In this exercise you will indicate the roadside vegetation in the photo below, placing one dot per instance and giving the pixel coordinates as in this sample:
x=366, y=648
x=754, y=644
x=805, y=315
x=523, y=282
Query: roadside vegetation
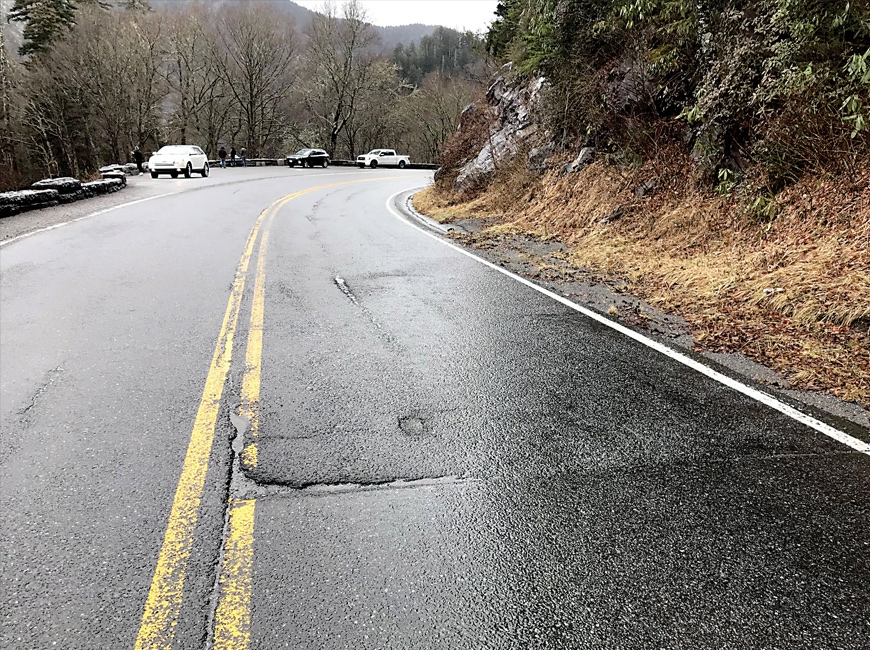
x=731, y=173
x=93, y=80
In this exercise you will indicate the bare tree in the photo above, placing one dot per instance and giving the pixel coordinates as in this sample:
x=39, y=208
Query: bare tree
x=55, y=112
x=98, y=93
x=53, y=118
x=5, y=101
x=369, y=124
x=148, y=57
x=340, y=66
x=212, y=74
x=254, y=52
x=113, y=59
x=199, y=94
x=431, y=113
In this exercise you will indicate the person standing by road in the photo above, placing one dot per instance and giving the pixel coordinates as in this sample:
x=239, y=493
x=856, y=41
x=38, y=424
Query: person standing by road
x=222, y=154
x=232, y=156
x=139, y=158
x=244, y=152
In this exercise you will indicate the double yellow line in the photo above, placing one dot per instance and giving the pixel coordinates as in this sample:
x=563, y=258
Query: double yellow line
x=163, y=604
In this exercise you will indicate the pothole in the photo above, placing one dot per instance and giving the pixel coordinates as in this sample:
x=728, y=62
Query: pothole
x=413, y=426
x=241, y=424
x=342, y=285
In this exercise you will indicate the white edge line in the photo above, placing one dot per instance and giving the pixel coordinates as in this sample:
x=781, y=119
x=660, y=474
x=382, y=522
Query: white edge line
x=764, y=398
x=87, y=216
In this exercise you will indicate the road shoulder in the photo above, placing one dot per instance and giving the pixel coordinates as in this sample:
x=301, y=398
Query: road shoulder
x=541, y=262
x=34, y=220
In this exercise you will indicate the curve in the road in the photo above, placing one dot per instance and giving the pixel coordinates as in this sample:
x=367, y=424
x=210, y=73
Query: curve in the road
x=163, y=603
x=127, y=204
x=573, y=482
x=167, y=587
x=749, y=391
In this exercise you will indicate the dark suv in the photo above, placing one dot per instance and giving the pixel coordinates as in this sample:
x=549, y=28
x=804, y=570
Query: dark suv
x=309, y=158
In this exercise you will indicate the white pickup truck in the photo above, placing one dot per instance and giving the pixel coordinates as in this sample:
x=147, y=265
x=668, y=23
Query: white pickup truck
x=382, y=157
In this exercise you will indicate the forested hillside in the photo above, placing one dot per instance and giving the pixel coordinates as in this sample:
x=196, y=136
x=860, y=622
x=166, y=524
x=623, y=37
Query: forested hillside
x=711, y=157
x=97, y=79
x=777, y=85
x=446, y=52
x=387, y=37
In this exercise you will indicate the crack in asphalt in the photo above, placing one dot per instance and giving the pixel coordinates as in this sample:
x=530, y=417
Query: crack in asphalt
x=47, y=381
x=393, y=484
x=259, y=490
x=309, y=215
x=235, y=485
x=341, y=283
x=218, y=561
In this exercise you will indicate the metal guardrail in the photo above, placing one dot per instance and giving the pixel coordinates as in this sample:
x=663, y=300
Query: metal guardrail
x=352, y=163
x=270, y=162
x=250, y=162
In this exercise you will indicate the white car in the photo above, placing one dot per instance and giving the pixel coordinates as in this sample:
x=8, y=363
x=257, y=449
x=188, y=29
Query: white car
x=382, y=157
x=178, y=159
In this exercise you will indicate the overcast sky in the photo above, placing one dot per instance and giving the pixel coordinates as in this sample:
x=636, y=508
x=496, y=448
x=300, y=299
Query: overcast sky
x=458, y=14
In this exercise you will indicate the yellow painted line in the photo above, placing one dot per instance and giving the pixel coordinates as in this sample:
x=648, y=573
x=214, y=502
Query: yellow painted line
x=233, y=615
x=163, y=604
x=249, y=406
x=250, y=398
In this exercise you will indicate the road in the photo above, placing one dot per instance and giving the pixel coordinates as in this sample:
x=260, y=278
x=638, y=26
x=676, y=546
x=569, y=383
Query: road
x=266, y=411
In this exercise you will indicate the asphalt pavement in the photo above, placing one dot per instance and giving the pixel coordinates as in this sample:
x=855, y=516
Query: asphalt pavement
x=265, y=411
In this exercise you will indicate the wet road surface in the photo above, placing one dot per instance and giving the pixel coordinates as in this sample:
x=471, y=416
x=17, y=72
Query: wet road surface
x=431, y=455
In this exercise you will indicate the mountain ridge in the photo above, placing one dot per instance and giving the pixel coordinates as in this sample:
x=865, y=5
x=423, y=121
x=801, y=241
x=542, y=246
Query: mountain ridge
x=390, y=36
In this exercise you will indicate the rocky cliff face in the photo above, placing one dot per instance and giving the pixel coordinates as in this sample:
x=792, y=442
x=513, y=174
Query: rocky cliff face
x=512, y=103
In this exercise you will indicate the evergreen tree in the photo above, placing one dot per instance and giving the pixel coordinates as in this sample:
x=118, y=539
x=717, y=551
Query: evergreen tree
x=44, y=19
x=445, y=51
x=47, y=20
x=504, y=28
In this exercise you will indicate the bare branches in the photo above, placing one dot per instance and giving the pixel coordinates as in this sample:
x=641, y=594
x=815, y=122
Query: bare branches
x=255, y=48
x=200, y=99
x=213, y=75
x=340, y=66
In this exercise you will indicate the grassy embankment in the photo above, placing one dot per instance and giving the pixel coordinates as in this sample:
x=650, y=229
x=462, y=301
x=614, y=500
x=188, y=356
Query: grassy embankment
x=792, y=293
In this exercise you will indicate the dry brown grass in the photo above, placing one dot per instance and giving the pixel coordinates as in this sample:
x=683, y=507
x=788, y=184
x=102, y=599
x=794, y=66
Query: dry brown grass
x=433, y=203
x=793, y=294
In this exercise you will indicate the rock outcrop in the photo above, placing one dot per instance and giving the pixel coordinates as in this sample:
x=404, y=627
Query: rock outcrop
x=585, y=157
x=512, y=104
